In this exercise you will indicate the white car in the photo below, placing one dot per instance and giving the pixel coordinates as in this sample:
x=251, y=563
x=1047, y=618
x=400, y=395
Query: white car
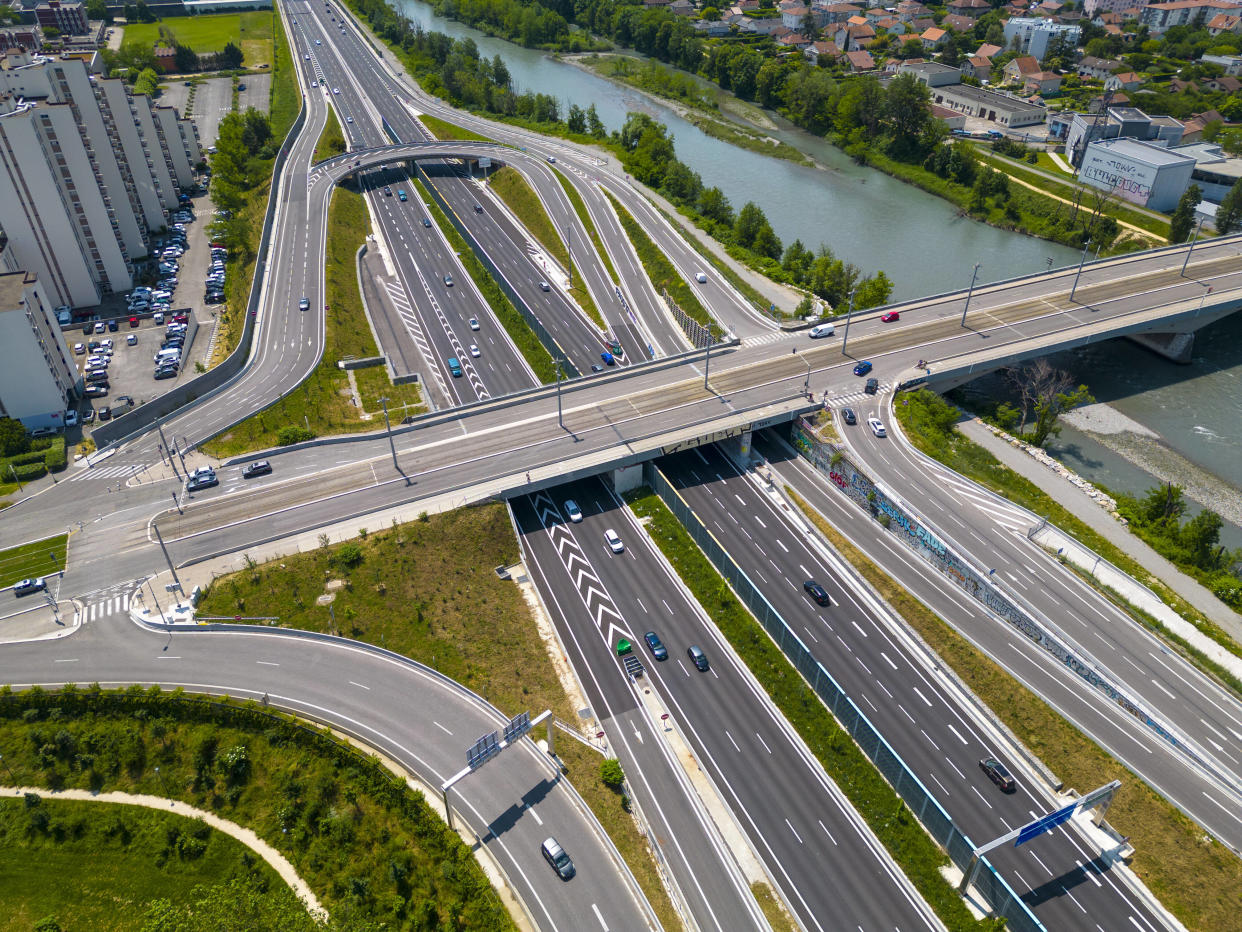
x=336, y=90
x=79, y=348
x=474, y=351
x=574, y=512
x=474, y=323
x=877, y=426
x=71, y=418
x=306, y=57
x=613, y=541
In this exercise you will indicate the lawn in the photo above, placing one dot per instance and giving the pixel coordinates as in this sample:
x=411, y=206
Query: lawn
x=428, y=590
x=324, y=401
x=443, y=129
x=38, y=558
x=584, y=215
x=251, y=32
x=1193, y=876
x=331, y=140
x=133, y=856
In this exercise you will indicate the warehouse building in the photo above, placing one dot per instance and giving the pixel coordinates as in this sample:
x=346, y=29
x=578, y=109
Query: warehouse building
x=1139, y=172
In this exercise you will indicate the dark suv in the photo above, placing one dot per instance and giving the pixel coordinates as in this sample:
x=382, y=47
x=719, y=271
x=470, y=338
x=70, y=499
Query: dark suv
x=848, y=415
x=657, y=648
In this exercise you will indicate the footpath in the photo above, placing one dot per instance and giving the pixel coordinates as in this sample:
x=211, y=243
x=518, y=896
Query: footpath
x=1074, y=499
x=244, y=835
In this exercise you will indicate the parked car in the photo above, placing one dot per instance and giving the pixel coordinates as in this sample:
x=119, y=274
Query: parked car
x=71, y=418
x=105, y=413
x=194, y=483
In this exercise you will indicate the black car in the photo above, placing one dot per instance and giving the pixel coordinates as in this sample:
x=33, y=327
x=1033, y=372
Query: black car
x=426, y=222
x=257, y=468
x=105, y=413
x=872, y=386
x=114, y=326
x=95, y=391
x=658, y=650
x=697, y=657
x=998, y=774
x=387, y=191
x=817, y=592
x=848, y=415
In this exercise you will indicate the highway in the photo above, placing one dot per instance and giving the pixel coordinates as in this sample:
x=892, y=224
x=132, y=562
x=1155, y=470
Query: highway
x=816, y=849
x=1063, y=879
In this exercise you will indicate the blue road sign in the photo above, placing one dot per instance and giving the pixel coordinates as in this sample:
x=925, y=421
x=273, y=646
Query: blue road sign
x=1044, y=823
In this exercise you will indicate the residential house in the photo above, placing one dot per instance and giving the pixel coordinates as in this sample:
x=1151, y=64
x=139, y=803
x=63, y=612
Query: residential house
x=1095, y=7
x=795, y=40
x=1097, y=68
x=792, y=16
x=933, y=39
x=766, y=26
x=876, y=14
x=919, y=26
x=823, y=50
x=1112, y=29
x=959, y=24
x=1227, y=84
x=850, y=37
x=1232, y=64
x=860, y=61
x=1107, y=18
x=1116, y=99
x=717, y=30
x=911, y=9
x=977, y=67
x=987, y=50
x=165, y=59
x=1043, y=83
x=682, y=7
x=891, y=25
x=1177, y=85
x=971, y=8
x=1223, y=22
x=840, y=12
x=1197, y=122
x=1126, y=81
x=1020, y=67
x=779, y=32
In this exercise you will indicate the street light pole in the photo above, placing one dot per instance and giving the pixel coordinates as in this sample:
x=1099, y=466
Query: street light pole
x=1195, y=239
x=1081, y=262
x=19, y=481
x=969, y=292
x=848, y=314
x=707, y=359
x=560, y=417
x=160, y=537
x=388, y=430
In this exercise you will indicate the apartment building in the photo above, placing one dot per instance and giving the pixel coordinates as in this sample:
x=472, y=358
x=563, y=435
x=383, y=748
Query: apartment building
x=37, y=379
x=68, y=19
x=1035, y=35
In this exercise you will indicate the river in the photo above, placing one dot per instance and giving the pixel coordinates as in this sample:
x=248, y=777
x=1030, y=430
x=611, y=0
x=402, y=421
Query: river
x=877, y=222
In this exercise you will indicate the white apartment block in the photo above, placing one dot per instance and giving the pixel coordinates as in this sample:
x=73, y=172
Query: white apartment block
x=36, y=377
x=1161, y=17
x=112, y=183
x=1035, y=34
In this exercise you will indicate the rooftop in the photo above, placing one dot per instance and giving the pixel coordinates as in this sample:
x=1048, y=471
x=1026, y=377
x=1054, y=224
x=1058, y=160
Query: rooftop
x=1141, y=151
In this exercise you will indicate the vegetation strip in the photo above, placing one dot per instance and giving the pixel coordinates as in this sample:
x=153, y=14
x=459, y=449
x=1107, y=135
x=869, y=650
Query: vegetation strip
x=575, y=198
x=426, y=589
x=443, y=129
x=514, y=190
x=38, y=558
x=928, y=421
x=322, y=403
x=523, y=337
x=886, y=815
x=1195, y=877
x=371, y=848
x=661, y=272
x=331, y=140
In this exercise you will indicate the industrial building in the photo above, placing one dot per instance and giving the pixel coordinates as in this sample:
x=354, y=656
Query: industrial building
x=1139, y=172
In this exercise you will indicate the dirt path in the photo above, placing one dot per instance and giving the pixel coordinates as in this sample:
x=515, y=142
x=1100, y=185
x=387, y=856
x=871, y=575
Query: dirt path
x=244, y=835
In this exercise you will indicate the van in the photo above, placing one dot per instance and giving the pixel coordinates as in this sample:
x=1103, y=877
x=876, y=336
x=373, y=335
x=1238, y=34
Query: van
x=822, y=330
x=454, y=367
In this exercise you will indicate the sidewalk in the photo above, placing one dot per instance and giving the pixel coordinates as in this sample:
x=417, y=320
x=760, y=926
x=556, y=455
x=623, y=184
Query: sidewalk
x=1086, y=510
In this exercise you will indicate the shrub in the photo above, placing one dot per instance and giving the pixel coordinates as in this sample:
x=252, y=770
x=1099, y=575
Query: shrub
x=291, y=433
x=611, y=774
x=348, y=555
x=55, y=457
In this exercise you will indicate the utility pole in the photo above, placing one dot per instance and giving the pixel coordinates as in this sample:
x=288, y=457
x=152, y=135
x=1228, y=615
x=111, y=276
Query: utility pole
x=388, y=429
x=970, y=291
x=571, y=254
x=848, y=316
x=1195, y=239
x=560, y=419
x=1081, y=262
x=160, y=537
x=707, y=366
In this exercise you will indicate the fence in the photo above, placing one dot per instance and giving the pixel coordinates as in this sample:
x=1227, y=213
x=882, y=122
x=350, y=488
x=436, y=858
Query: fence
x=699, y=335
x=909, y=529
x=935, y=820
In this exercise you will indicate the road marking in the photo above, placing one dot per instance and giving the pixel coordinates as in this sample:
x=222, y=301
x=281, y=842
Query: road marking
x=926, y=701
x=267, y=663
x=985, y=802
x=732, y=742
x=764, y=743
x=958, y=734
x=1089, y=873
x=1156, y=683
x=359, y=685
x=441, y=727
x=67, y=660
x=955, y=770
x=929, y=740
x=890, y=663
x=826, y=832
x=534, y=814
x=794, y=830
x=1231, y=814
x=603, y=925
x=864, y=634
x=166, y=657
x=805, y=572
x=780, y=543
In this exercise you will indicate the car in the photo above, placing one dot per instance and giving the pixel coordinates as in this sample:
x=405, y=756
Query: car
x=213, y=297
x=132, y=339
x=555, y=855
x=890, y=317
x=572, y=509
x=608, y=358
x=306, y=57
x=314, y=83
x=133, y=322
x=544, y=286
x=97, y=377
x=821, y=330
x=95, y=391
x=848, y=415
x=105, y=413
x=427, y=221
x=551, y=159
x=697, y=657
x=93, y=345
x=474, y=323
x=448, y=281
x=401, y=195
x=877, y=426
x=114, y=326
x=998, y=773
x=817, y=592
x=454, y=365
x=27, y=586
x=596, y=367
x=349, y=119
x=181, y=318
x=656, y=646
x=700, y=277
x=79, y=348
x=863, y=367
x=71, y=418
x=165, y=372
x=304, y=305
x=159, y=317
x=88, y=416
x=872, y=386
x=478, y=208
x=336, y=90
x=162, y=295
x=387, y=191
x=614, y=541
x=194, y=483
x=257, y=468
x=474, y=351
x=317, y=42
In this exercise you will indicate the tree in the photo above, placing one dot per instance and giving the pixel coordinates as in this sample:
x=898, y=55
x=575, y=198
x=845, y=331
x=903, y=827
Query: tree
x=1229, y=214
x=595, y=126
x=611, y=774
x=907, y=107
x=13, y=439
x=1183, y=218
x=230, y=57
x=147, y=82
x=575, y=120
x=750, y=220
x=715, y=206
x=1045, y=393
x=808, y=27
x=98, y=9
x=185, y=60
x=710, y=14
x=1162, y=504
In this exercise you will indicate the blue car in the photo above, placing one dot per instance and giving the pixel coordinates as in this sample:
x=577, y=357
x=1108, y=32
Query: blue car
x=863, y=367
x=608, y=358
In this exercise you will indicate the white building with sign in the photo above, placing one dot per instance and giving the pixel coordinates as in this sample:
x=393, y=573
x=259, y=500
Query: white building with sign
x=1147, y=175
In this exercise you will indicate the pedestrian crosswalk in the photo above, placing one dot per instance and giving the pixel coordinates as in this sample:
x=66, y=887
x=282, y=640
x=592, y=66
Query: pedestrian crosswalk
x=763, y=339
x=109, y=470
x=858, y=397
x=111, y=605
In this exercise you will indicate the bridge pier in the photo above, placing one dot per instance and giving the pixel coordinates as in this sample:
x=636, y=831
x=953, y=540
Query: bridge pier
x=1175, y=347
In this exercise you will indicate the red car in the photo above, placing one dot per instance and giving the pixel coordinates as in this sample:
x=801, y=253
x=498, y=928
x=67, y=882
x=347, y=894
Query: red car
x=890, y=317
x=133, y=321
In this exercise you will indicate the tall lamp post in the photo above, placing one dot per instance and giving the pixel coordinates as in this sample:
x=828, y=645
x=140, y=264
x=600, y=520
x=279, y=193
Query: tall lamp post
x=388, y=430
x=1081, y=262
x=1195, y=239
x=970, y=292
x=845, y=339
x=560, y=417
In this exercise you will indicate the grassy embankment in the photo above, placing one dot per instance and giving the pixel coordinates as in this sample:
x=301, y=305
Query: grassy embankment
x=886, y=815
x=426, y=589
x=133, y=857
x=442, y=129
x=38, y=558
x=535, y=353
x=324, y=400
x=584, y=215
x=659, y=269
x=915, y=412
x=1195, y=877
x=331, y=140
x=513, y=189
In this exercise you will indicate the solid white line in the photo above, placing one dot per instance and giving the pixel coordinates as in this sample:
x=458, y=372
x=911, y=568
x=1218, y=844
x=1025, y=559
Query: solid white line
x=441, y=727
x=267, y=663
x=359, y=685
x=603, y=925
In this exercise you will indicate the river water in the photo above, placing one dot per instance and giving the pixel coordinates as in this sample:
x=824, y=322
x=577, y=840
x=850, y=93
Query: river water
x=877, y=222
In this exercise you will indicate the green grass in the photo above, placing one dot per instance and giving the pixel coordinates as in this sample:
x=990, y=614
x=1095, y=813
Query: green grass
x=888, y=817
x=427, y=590
x=443, y=129
x=659, y=269
x=370, y=848
x=1196, y=878
x=584, y=215
x=773, y=910
x=915, y=414
x=39, y=558
x=514, y=190
x=323, y=399
x=286, y=96
x=99, y=866
x=251, y=32
x=523, y=337
x=331, y=140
